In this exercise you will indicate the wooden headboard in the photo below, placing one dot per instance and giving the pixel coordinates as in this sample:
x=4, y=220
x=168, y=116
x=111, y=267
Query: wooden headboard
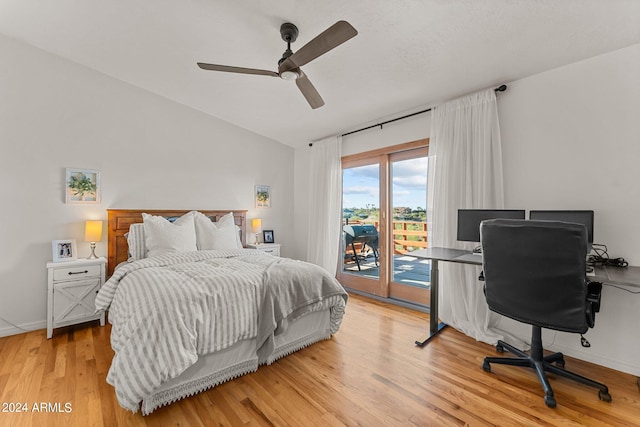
x=121, y=219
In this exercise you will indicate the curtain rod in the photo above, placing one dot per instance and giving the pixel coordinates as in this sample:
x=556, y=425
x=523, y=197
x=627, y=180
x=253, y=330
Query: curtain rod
x=500, y=88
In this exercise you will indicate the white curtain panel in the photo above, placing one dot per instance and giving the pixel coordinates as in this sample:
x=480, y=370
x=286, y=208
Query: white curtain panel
x=325, y=203
x=465, y=172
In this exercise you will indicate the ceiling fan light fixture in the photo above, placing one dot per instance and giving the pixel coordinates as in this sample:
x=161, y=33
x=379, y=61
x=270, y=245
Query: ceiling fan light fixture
x=290, y=75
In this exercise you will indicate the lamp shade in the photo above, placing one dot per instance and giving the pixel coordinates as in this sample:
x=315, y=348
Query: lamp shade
x=256, y=225
x=93, y=231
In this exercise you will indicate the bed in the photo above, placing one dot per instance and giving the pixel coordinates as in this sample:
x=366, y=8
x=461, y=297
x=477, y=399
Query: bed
x=186, y=321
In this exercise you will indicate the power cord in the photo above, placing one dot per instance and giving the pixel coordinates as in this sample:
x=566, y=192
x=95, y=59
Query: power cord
x=601, y=257
x=621, y=288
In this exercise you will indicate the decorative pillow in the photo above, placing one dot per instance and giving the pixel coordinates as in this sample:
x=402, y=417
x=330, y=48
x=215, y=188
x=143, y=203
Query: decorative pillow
x=228, y=220
x=136, y=242
x=223, y=234
x=163, y=236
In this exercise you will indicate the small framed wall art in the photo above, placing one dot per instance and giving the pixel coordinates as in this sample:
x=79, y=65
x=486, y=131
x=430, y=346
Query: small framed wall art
x=263, y=196
x=268, y=236
x=82, y=186
x=64, y=250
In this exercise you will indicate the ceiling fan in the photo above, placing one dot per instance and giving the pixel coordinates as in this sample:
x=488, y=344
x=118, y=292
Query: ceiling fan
x=290, y=63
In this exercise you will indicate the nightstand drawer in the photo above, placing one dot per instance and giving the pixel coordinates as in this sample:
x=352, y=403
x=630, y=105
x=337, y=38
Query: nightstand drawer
x=267, y=248
x=73, y=273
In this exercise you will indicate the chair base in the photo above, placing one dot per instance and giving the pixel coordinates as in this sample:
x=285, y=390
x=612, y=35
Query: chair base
x=553, y=363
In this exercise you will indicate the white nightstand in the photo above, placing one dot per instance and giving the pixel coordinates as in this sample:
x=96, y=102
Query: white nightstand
x=269, y=248
x=73, y=286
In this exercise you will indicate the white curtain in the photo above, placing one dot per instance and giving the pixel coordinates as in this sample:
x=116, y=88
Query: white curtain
x=325, y=203
x=465, y=171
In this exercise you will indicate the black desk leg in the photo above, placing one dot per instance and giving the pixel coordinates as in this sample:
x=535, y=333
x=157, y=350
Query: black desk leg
x=434, y=326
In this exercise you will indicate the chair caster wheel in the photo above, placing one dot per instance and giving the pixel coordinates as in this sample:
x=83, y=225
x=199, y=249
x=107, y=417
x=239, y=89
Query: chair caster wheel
x=560, y=363
x=604, y=396
x=486, y=366
x=550, y=401
x=499, y=348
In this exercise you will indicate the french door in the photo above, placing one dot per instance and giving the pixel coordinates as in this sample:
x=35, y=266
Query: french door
x=384, y=220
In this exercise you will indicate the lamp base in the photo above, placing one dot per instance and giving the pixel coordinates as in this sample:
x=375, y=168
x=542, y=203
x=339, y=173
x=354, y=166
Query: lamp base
x=257, y=243
x=93, y=251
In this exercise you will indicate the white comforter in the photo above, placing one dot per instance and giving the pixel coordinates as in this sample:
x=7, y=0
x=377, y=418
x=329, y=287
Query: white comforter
x=167, y=310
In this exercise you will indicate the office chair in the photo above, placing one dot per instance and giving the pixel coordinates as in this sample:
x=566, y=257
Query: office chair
x=535, y=272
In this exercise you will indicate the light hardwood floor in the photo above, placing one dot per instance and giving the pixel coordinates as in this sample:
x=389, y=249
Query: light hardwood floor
x=368, y=374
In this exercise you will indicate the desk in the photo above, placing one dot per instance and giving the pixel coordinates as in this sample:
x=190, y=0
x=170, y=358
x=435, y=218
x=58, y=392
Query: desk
x=628, y=276
x=621, y=276
x=436, y=255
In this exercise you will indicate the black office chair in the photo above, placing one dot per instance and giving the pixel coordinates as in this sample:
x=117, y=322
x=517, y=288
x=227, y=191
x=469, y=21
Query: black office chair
x=535, y=272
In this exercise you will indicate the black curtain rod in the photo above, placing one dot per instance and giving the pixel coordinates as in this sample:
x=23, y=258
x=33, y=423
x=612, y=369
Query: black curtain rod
x=500, y=88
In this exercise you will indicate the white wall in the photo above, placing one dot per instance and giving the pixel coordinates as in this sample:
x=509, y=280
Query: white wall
x=571, y=140
x=152, y=153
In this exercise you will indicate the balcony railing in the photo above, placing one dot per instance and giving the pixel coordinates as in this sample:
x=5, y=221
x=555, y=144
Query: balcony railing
x=408, y=236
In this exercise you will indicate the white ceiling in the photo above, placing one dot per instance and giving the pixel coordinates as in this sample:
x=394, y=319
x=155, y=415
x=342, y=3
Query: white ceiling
x=408, y=54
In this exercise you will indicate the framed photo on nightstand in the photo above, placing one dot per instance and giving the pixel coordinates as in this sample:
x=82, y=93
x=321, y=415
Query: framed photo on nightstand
x=64, y=250
x=268, y=236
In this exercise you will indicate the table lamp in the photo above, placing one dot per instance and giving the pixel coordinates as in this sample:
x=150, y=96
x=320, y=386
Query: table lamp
x=93, y=234
x=256, y=226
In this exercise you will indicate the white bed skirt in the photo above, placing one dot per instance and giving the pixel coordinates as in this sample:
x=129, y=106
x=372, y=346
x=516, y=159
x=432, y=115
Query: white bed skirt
x=238, y=360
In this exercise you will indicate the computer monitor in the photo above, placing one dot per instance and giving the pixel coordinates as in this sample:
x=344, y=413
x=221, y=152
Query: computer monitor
x=469, y=221
x=578, y=217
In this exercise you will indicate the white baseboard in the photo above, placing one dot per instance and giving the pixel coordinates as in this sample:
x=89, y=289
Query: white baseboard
x=21, y=329
x=589, y=356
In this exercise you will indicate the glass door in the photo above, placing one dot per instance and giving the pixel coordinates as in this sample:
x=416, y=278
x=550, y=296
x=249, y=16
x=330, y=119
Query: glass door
x=410, y=276
x=384, y=220
x=362, y=256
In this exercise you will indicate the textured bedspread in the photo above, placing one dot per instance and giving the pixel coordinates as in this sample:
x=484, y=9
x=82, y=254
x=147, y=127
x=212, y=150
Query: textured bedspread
x=167, y=310
x=293, y=289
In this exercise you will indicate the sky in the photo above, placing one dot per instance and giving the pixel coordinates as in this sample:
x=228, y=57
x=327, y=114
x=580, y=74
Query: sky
x=360, y=185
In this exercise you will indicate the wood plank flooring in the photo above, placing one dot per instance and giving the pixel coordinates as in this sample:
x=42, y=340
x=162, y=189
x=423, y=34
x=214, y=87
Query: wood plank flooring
x=368, y=374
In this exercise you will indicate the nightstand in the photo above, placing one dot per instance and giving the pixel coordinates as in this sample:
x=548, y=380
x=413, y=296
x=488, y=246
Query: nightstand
x=73, y=286
x=269, y=248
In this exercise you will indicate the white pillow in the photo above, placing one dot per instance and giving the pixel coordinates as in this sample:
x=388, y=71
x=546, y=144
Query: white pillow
x=163, y=236
x=223, y=234
x=229, y=220
x=136, y=242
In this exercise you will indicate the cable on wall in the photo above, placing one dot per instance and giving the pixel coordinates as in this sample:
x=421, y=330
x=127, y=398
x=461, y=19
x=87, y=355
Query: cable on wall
x=500, y=88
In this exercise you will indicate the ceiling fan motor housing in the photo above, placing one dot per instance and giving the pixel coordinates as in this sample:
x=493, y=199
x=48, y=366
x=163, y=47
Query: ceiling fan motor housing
x=289, y=32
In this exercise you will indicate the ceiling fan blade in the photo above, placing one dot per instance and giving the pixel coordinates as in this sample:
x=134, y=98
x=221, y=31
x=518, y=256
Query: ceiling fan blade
x=241, y=70
x=309, y=91
x=332, y=37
